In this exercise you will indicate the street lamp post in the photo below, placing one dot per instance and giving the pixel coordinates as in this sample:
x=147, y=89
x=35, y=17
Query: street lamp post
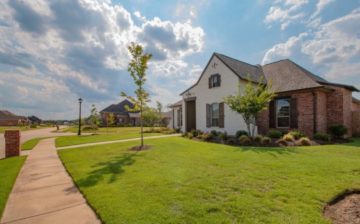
x=79, y=131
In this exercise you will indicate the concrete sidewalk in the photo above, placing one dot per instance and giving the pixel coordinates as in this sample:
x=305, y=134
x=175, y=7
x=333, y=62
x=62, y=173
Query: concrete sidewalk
x=45, y=193
x=115, y=141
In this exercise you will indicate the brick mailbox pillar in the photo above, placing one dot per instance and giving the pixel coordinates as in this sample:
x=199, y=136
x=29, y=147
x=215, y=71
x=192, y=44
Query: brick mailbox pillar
x=12, y=143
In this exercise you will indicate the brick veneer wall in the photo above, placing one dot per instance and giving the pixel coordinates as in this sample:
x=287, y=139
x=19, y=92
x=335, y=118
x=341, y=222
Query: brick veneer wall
x=12, y=143
x=263, y=122
x=355, y=106
x=305, y=106
x=321, y=112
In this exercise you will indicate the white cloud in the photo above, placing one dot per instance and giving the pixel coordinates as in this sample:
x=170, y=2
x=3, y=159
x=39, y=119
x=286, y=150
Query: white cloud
x=320, y=7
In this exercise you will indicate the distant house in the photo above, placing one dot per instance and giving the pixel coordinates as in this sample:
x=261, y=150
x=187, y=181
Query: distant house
x=122, y=116
x=35, y=120
x=304, y=100
x=9, y=119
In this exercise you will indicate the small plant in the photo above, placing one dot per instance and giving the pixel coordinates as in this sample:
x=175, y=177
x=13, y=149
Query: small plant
x=206, y=136
x=195, y=133
x=275, y=134
x=338, y=131
x=288, y=138
x=89, y=128
x=281, y=142
x=304, y=141
x=240, y=133
x=214, y=133
x=223, y=136
x=184, y=134
x=322, y=136
x=245, y=140
x=258, y=138
x=297, y=134
x=231, y=141
x=190, y=135
x=266, y=141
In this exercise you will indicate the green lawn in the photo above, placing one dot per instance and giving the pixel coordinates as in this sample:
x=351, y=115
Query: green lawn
x=9, y=169
x=25, y=128
x=185, y=181
x=102, y=134
x=30, y=144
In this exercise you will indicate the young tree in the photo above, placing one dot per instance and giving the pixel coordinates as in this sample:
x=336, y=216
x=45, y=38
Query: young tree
x=94, y=117
x=159, y=108
x=110, y=120
x=255, y=99
x=137, y=69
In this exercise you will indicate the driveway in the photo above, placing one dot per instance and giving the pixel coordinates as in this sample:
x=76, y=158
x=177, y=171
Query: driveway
x=27, y=135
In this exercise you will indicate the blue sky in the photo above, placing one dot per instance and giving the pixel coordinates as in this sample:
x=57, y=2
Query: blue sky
x=53, y=52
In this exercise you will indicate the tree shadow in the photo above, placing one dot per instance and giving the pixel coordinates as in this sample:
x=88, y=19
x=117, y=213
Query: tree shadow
x=113, y=167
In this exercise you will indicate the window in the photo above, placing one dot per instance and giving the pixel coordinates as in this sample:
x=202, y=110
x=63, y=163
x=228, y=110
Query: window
x=283, y=113
x=214, y=115
x=179, y=117
x=214, y=81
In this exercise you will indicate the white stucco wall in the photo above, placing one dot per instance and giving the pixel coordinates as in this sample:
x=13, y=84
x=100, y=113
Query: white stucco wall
x=230, y=85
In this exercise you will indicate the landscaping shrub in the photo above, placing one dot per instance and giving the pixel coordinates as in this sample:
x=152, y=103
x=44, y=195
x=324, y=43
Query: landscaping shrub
x=207, y=136
x=231, y=141
x=322, y=136
x=281, y=142
x=184, y=134
x=223, y=136
x=304, y=141
x=266, y=141
x=258, y=138
x=338, y=131
x=195, y=133
x=288, y=137
x=190, y=135
x=89, y=128
x=214, y=133
x=275, y=134
x=245, y=140
x=33, y=126
x=240, y=133
x=297, y=134
x=178, y=130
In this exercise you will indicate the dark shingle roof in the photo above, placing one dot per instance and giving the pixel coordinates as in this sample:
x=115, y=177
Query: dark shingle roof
x=242, y=69
x=7, y=115
x=119, y=108
x=286, y=75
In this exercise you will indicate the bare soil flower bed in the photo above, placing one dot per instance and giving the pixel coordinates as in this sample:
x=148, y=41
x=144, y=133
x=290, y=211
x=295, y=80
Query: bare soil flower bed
x=344, y=209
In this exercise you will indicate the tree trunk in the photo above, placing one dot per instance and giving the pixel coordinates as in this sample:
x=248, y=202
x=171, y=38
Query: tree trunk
x=141, y=125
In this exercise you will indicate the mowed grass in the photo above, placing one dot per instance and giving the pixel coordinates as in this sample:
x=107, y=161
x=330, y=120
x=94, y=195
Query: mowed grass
x=21, y=128
x=103, y=134
x=9, y=169
x=30, y=144
x=184, y=181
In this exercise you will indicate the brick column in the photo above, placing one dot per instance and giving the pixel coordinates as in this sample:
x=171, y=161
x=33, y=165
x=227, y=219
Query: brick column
x=12, y=143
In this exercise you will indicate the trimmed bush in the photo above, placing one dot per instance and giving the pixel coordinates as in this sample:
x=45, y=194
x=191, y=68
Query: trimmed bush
x=214, y=133
x=223, y=136
x=33, y=126
x=322, y=136
x=304, y=141
x=207, y=136
x=231, y=141
x=338, y=131
x=258, y=138
x=240, y=133
x=245, y=140
x=275, y=134
x=190, y=135
x=288, y=138
x=297, y=134
x=89, y=128
x=195, y=133
x=281, y=142
x=266, y=141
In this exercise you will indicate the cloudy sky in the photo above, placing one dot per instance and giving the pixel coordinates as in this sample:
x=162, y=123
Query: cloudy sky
x=53, y=52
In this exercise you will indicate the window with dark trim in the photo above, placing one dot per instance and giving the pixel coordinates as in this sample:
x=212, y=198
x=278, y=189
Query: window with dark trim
x=215, y=115
x=214, y=81
x=283, y=113
x=179, y=117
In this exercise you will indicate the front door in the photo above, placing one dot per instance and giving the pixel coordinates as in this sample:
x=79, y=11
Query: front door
x=190, y=110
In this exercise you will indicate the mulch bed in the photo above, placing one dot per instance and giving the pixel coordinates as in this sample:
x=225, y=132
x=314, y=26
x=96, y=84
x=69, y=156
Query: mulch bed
x=344, y=208
x=139, y=148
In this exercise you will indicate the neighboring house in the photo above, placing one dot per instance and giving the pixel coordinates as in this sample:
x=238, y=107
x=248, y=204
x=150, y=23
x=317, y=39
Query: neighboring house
x=176, y=121
x=9, y=119
x=35, y=120
x=122, y=116
x=304, y=101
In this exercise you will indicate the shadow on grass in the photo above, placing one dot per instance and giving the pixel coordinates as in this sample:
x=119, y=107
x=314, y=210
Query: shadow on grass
x=270, y=150
x=112, y=168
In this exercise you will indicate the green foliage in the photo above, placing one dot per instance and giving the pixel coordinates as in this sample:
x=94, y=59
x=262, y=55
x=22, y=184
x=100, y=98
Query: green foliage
x=33, y=126
x=110, y=120
x=266, y=141
x=338, y=131
x=297, y=134
x=245, y=140
x=322, y=136
x=159, y=108
x=223, y=136
x=275, y=134
x=255, y=99
x=94, y=118
x=189, y=135
x=214, y=133
x=89, y=128
x=150, y=117
x=137, y=68
x=240, y=133
x=258, y=138
x=305, y=141
x=288, y=137
x=207, y=136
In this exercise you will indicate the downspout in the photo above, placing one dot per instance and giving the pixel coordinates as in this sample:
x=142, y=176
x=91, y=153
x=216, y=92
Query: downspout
x=314, y=111
x=173, y=118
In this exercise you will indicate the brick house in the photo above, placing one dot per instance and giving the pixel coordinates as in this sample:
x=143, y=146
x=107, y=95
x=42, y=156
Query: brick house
x=9, y=119
x=122, y=116
x=304, y=101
